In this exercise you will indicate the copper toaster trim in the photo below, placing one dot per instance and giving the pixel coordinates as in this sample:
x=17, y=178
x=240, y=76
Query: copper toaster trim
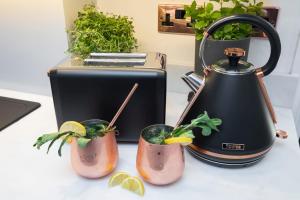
x=223, y=156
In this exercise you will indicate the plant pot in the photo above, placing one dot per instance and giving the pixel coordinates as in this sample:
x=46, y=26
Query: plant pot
x=98, y=158
x=159, y=164
x=214, y=51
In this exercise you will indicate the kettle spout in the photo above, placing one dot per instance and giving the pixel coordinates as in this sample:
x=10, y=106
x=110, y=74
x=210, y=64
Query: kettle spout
x=193, y=80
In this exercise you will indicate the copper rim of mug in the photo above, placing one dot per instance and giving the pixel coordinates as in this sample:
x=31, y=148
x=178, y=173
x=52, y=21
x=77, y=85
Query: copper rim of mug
x=143, y=132
x=94, y=121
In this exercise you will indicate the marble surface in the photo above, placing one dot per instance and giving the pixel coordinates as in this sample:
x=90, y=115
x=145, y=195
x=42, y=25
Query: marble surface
x=29, y=174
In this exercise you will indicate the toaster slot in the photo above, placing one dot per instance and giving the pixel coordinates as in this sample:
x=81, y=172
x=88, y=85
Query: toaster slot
x=114, y=62
x=118, y=55
x=116, y=59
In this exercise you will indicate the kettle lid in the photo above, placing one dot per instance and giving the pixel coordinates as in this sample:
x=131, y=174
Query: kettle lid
x=233, y=65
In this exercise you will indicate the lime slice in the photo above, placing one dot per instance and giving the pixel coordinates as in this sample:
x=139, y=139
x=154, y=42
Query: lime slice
x=117, y=178
x=182, y=140
x=73, y=126
x=134, y=184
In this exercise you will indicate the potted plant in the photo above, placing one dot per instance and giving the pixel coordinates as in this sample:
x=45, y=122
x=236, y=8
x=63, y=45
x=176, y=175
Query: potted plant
x=160, y=158
x=230, y=35
x=94, y=31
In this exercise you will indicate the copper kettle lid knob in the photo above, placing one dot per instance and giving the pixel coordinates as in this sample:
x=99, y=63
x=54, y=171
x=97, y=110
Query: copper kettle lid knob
x=234, y=55
x=234, y=52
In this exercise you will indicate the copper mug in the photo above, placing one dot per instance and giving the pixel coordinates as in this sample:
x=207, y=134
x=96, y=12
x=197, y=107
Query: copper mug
x=159, y=164
x=98, y=158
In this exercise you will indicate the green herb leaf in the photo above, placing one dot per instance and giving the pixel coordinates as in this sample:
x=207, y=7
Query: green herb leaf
x=225, y=11
x=56, y=138
x=63, y=142
x=211, y=125
x=82, y=142
x=44, y=139
x=260, y=4
x=204, y=122
x=156, y=137
x=227, y=28
x=216, y=121
x=205, y=14
x=194, y=5
x=156, y=140
x=216, y=15
x=188, y=134
x=94, y=31
x=206, y=130
x=200, y=24
x=178, y=131
x=199, y=37
x=209, y=7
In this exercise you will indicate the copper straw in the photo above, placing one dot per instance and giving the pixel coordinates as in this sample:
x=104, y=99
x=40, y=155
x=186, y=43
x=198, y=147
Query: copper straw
x=187, y=109
x=123, y=106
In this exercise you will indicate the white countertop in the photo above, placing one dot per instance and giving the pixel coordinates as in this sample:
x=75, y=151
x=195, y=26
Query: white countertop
x=29, y=174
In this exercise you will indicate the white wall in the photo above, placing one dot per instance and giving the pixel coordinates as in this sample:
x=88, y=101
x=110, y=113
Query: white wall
x=288, y=29
x=71, y=8
x=296, y=69
x=32, y=39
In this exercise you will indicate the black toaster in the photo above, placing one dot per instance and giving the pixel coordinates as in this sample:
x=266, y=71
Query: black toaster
x=96, y=89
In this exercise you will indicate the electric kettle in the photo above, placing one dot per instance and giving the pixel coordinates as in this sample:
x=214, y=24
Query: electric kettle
x=233, y=90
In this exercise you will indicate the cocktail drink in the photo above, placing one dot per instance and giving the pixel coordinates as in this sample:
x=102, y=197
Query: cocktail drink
x=94, y=151
x=100, y=156
x=159, y=164
x=160, y=156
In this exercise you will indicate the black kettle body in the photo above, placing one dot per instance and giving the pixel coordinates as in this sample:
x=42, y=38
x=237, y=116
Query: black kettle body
x=233, y=91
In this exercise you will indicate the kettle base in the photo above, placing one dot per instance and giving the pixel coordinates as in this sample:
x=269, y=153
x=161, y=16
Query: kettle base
x=223, y=164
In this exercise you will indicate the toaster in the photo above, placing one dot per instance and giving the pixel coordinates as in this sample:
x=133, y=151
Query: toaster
x=96, y=88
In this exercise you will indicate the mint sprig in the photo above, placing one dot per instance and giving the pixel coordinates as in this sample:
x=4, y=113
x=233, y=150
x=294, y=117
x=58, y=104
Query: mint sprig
x=203, y=121
x=92, y=131
x=82, y=142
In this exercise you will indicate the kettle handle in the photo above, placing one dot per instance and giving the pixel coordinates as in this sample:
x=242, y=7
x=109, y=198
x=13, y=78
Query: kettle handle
x=254, y=20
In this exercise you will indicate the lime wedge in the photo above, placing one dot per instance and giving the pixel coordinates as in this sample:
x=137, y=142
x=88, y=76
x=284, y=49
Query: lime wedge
x=182, y=140
x=117, y=178
x=73, y=126
x=134, y=184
